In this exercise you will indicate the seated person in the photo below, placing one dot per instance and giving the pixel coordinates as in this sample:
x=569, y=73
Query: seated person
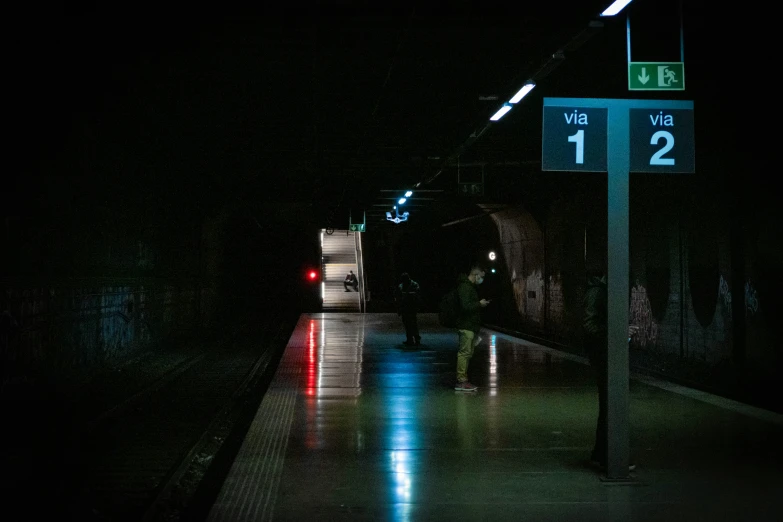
x=351, y=280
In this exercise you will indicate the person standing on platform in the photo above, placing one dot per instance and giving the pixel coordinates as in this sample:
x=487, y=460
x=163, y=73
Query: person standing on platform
x=468, y=323
x=407, y=296
x=596, y=344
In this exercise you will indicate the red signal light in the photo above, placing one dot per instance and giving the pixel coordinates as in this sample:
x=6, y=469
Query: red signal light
x=312, y=275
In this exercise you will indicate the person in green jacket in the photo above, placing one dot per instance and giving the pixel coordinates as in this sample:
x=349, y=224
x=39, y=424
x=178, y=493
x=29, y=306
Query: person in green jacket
x=468, y=323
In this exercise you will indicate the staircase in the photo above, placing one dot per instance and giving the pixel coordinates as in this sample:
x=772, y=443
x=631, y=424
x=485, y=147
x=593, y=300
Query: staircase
x=338, y=256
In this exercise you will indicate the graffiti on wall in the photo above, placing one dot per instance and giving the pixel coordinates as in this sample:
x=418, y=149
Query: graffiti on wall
x=529, y=294
x=725, y=293
x=641, y=315
x=82, y=327
x=535, y=296
x=518, y=286
x=556, y=305
x=116, y=331
x=751, y=297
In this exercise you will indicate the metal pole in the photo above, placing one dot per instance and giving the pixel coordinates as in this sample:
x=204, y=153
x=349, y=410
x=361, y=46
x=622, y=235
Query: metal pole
x=618, y=167
x=628, y=36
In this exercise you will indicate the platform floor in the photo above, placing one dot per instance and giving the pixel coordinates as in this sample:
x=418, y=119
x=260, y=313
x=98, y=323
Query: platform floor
x=356, y=426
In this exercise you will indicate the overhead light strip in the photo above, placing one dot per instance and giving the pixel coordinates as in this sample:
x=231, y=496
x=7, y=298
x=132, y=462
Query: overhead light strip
x=615, y=8
x=503, y=110
x=529, y=85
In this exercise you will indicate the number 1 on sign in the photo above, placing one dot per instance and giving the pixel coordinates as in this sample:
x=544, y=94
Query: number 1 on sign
x=579, y=139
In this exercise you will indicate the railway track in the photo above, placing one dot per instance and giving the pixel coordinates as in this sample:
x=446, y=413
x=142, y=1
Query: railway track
x=141, y=456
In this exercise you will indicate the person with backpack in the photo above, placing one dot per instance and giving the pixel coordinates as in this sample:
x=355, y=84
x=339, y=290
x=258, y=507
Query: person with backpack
x=407, y=297
x=468, y=323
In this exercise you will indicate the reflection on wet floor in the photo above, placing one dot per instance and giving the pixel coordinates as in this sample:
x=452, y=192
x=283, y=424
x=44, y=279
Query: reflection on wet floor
x=376, y=432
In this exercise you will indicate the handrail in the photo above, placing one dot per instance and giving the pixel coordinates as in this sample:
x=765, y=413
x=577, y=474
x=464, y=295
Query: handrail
x=360, y=268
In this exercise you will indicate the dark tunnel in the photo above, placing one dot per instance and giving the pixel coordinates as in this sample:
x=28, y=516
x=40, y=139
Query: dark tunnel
x=171, y=182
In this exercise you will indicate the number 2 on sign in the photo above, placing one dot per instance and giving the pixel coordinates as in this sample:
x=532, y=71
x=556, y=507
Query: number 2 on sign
x=657, y=158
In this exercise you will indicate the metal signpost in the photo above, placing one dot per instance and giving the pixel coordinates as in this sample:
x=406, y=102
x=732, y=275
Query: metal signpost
x=618, y=136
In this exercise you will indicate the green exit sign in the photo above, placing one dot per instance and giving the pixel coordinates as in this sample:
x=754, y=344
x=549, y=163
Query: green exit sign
x=656, y=76
x=356, y=227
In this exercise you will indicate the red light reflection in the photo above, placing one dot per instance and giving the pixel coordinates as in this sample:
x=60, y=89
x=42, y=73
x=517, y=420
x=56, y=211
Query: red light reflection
x=312, y=363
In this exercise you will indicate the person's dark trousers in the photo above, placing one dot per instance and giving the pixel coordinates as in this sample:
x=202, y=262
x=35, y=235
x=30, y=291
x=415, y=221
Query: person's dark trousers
x=411, y=323
x=596, y=347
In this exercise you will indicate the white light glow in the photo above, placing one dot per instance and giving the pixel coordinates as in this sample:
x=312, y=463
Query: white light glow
x=522, y=92
x=408, y=194
x=503, y=110
x=493, y=355
x=402, y=201
x=493, y=365
x=615, y=8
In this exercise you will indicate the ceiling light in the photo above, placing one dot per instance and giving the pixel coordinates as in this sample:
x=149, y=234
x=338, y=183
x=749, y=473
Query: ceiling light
x=615, y=8
x=522, y=92
x=503, y=110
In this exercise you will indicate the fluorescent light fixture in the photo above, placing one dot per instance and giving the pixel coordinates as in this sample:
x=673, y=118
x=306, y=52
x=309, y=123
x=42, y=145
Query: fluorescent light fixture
x=398, y=218
x=615, y=8
x=402, y=201
x=503, y=110
x=522, y=92
x=408, y=194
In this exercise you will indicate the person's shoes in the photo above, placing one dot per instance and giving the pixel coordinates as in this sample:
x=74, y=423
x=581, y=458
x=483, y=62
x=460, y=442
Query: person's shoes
x=465, y=386
x=347, y=290
x=409, y=343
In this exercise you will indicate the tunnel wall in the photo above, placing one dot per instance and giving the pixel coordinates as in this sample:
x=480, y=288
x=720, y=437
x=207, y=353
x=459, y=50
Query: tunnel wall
x=103, y=298
x=691, y=255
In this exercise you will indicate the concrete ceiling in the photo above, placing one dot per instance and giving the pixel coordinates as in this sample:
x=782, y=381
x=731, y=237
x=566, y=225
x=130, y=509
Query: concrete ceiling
x=322, y=108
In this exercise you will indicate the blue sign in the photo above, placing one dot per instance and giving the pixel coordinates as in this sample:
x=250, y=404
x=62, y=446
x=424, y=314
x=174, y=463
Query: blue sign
x=574, y=138
x=662, y=140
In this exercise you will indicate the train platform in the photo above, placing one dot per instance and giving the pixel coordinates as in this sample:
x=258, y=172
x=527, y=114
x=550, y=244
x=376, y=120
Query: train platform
x=356, y=426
